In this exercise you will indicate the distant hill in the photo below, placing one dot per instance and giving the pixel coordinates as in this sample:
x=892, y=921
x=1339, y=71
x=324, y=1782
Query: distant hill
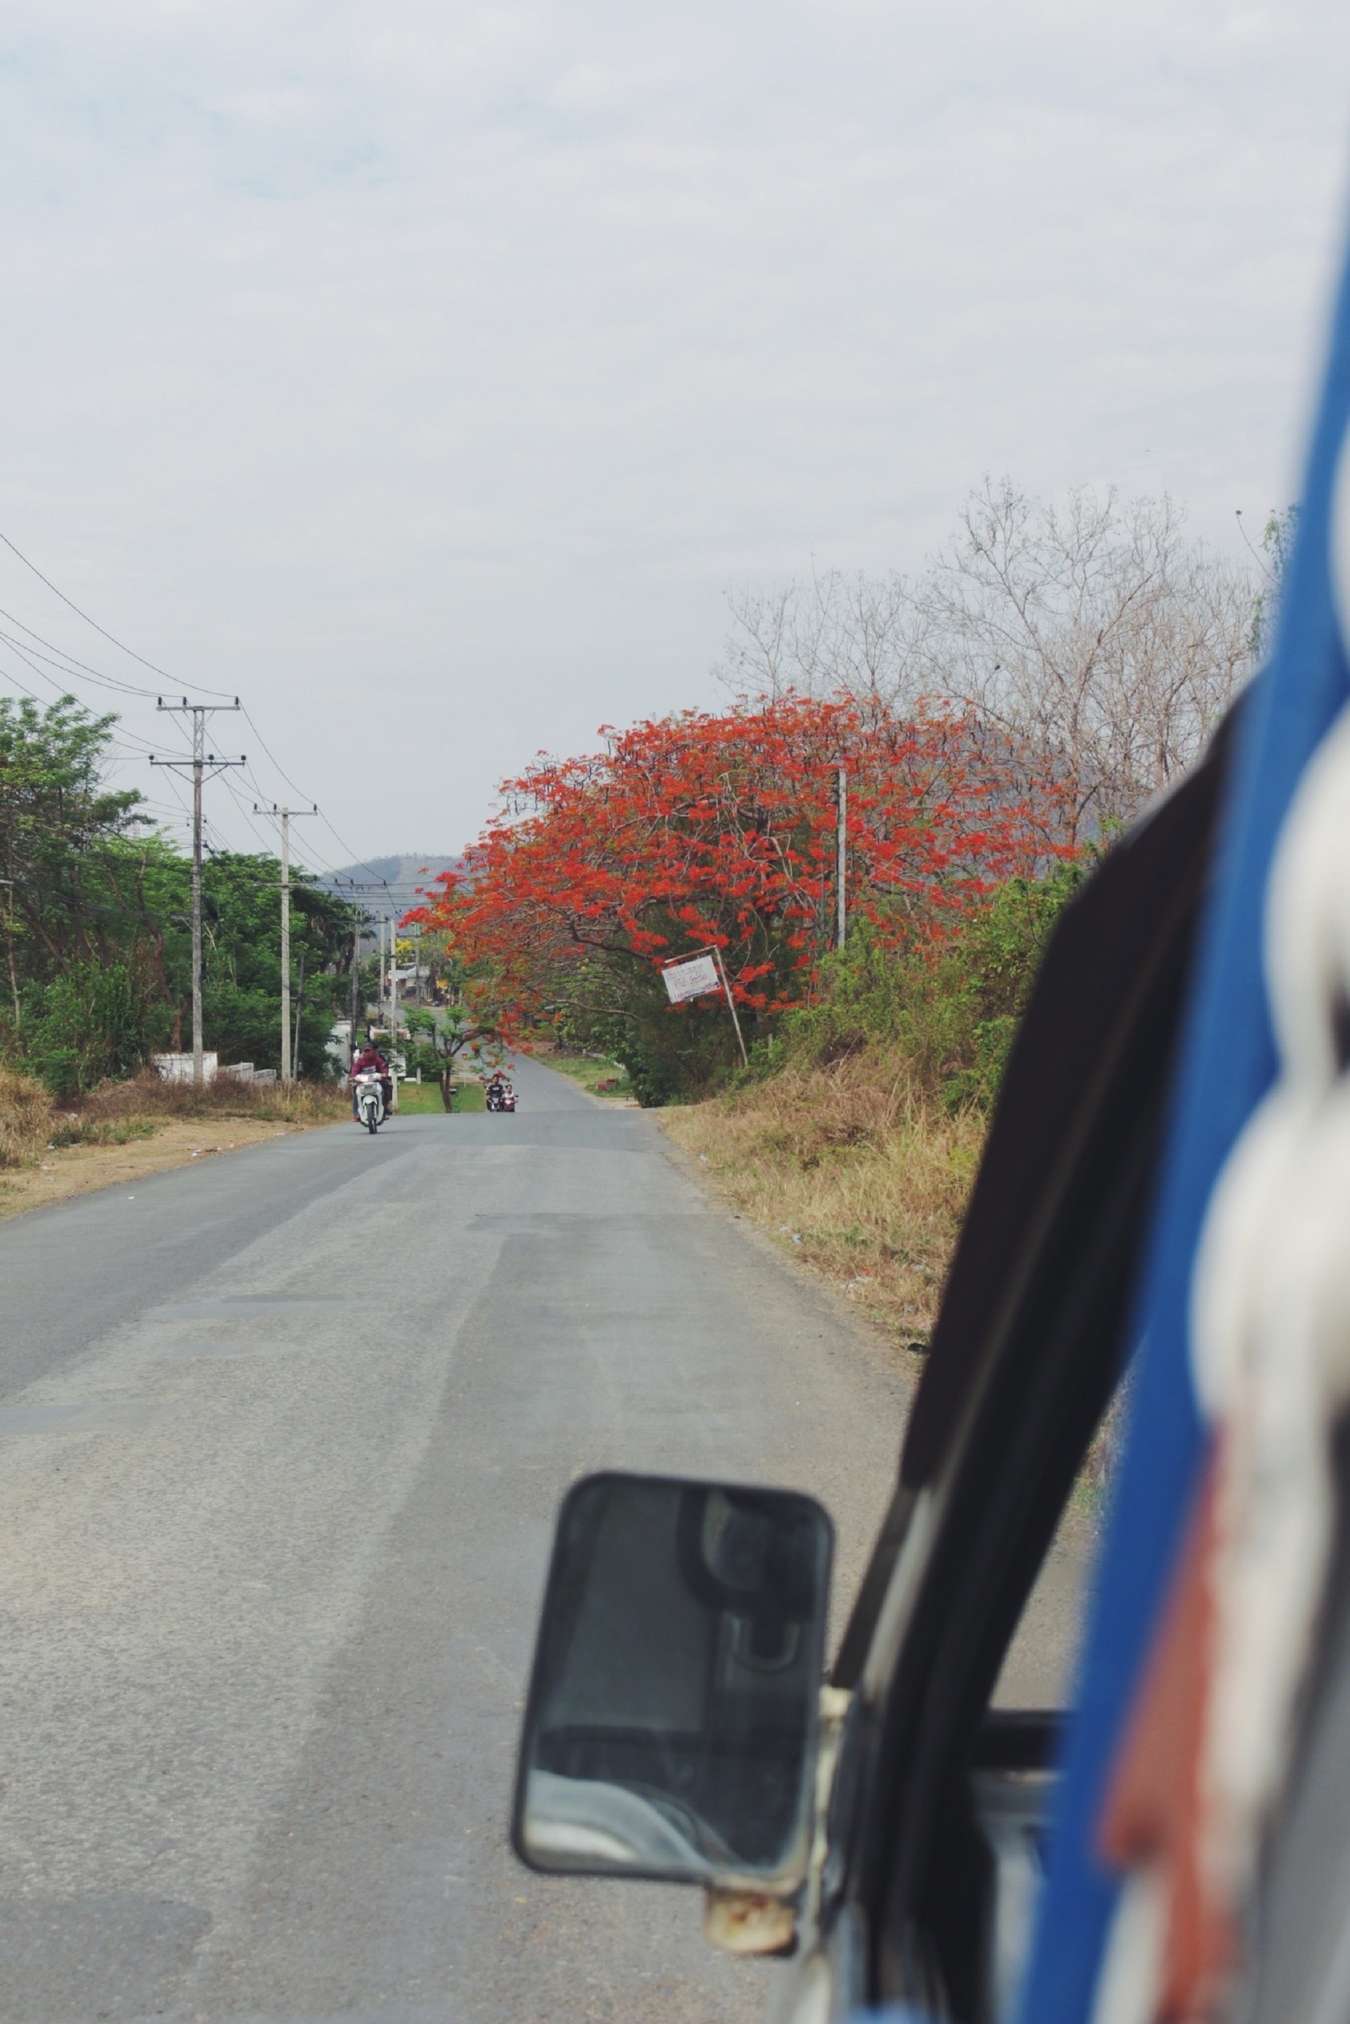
x=400, y=877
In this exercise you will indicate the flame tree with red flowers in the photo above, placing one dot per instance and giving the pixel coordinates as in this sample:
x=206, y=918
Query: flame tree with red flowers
x=699, y=830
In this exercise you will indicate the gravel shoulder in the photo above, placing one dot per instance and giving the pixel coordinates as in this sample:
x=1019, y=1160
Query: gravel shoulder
x=68, y=1171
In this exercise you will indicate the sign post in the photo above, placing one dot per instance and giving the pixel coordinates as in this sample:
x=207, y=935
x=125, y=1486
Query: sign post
x=695, y=977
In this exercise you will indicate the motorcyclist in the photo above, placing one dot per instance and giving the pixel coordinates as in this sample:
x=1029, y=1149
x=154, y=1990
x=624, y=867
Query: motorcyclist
x=498, y=1085
x=369, y=1057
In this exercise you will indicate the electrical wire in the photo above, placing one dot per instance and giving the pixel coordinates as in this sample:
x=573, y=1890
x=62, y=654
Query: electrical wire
x=112, y=638
x=320, y=865
x=295, y=788
x=32, y=694
x=62, y=691
x=90, y=673
x=239, y=802
x=67, y=663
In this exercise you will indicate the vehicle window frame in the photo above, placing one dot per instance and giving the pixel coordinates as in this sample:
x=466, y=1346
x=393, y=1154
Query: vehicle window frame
x=1038, y=1390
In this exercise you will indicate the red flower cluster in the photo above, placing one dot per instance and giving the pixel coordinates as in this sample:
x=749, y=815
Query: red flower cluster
x=697, y=830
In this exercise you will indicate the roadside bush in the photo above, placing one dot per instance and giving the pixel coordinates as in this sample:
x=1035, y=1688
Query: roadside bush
x=619, y=1009
x=946, y=1016
x=89, y=1024
x=74, y=1130
x=25, y=1119
x=944, y=1013
x=855, y=1134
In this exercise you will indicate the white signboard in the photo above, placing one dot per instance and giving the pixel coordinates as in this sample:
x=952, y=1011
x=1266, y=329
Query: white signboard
x=691, y=979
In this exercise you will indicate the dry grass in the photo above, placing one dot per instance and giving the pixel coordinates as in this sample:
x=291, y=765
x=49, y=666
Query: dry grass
x=25, y=1119
x=149, y=1096
x=850, y=1169
x=31, y=1125
x=125, y=1132
x=128, y=1158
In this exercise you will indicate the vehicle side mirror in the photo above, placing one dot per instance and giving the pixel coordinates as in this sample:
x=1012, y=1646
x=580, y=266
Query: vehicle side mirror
x=671, y=1725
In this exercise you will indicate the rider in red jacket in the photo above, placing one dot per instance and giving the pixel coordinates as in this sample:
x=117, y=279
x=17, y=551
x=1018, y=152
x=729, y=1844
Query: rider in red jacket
x=368, y=1057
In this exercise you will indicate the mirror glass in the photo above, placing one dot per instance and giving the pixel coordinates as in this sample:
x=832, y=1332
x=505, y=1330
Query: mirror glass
x=672, y=1716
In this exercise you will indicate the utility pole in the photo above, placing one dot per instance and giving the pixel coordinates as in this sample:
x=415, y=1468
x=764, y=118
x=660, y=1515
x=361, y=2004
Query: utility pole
x=283, y=816
x=356, y=987
x=351, y=886
x=299, y=1020
x=841, y=851
x=200, y=761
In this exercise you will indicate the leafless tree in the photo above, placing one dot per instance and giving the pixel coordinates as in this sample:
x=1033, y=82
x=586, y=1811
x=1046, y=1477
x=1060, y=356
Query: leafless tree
x=1095, y=639
x=864, y=635
x=1101, y=639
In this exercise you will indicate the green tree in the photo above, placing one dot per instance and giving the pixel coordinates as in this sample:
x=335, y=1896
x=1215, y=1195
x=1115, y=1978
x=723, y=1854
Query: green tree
x=95, y=919
x=437, y=1041
x=94, y=1023
x=241, y=983
x=60, y=830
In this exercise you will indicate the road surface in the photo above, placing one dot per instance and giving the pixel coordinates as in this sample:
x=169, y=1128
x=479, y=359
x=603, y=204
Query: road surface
x=281, y=1441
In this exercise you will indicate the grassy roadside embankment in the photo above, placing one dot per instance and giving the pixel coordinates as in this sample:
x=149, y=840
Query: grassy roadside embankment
x=423, y=1099
x=596, y=1074
x=864, y=1182
x=855, y=1140
x=127, y=1131
x=852, y=1171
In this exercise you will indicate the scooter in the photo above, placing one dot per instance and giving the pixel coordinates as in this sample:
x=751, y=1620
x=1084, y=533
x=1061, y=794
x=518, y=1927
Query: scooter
x=368, y=1099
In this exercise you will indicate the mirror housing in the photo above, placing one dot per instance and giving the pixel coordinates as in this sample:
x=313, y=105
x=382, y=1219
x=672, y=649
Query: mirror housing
x=671, y=1725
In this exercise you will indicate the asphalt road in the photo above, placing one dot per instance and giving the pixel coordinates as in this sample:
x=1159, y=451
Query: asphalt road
x=281, y=1441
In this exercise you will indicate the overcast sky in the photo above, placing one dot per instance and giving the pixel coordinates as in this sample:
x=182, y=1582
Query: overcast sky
x=428, y=372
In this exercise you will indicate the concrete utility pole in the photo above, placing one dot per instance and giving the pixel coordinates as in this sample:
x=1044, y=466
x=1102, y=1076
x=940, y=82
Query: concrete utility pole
x=841, y=852
x=201, y=759
x=299, y=1019
x=283, y=816
x=348, y=888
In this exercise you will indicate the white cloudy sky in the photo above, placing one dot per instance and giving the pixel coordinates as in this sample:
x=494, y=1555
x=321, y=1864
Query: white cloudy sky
x=436, y=367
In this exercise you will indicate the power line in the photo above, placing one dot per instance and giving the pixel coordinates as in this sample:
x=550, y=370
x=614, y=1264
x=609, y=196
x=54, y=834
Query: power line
x=30, y=657
x=93, y=674
x=341, y=841
x=63, y=692
x=273, y=757
x=239, y=802
x=32, y=694
x=103, y=630
x=103, y=680
x=343, y=844
x=260, y=790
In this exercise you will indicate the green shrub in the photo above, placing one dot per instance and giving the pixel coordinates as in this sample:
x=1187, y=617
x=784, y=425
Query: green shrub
x=82, y=1131
x=92, y=1024
x=949, y=1013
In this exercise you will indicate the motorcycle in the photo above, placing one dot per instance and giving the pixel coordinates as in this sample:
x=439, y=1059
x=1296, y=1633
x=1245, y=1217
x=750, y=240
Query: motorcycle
x=501, y=1096
x=368, y=1099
